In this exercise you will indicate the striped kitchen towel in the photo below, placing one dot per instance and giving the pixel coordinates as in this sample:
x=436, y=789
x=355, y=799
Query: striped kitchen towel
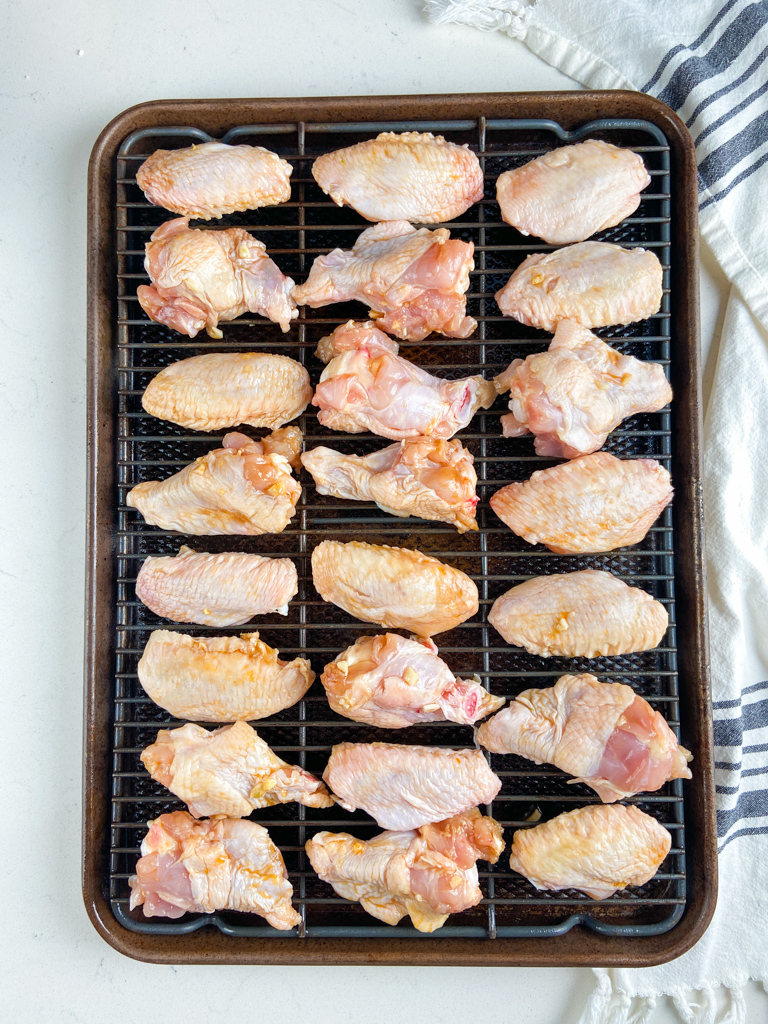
x=708, y=59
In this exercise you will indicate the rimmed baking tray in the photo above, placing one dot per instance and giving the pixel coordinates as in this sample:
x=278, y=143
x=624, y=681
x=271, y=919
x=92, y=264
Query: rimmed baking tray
x=514, y=924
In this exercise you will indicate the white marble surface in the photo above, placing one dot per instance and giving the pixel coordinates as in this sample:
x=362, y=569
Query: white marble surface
x=68, y=68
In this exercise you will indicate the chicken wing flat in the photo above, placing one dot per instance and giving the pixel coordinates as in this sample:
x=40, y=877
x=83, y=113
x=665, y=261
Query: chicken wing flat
x=392, y=683
x=594, y=283
x=411, y=176
x=394, y=587
x=427, y=874
x=212, y=179
x=404, y=787
x=202, y=276
x=197, y=867
x=220, y=678
x=416, y=280
x=367, y=386
x=230, y=771
x=426, y=477
x=603, y=733
x=571, y=192
x=594, y=503
x=225, y=389
x=227, y=589
x=597, y=849
x=238, y=489
x=579, y=614
x=574, y=394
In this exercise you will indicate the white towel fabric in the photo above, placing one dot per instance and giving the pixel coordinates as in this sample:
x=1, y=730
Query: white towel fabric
x=708, y=59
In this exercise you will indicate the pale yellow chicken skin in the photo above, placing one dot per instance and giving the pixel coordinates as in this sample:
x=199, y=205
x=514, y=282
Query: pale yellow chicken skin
x=584, y=614
x=220, y=678
x=597, y=849
x=394, y=587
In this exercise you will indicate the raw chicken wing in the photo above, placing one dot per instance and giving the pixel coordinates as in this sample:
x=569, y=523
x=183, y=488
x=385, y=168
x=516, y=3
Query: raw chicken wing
x=202, y=276
x=594, y=283
x=197, y=867
x=394, y=587
x=392, y=682
x=574, y=394
x=212, y=179
x=579, y=614
x=603, y=733
x=571, y=192
x=405, y=787
x=426, y=477
x=220, y=678
x=411, y=176
x=367, y=386
x=415, y=280
x=595, y=503
x=428, y=873
x=230, y=771
x=224, y=389
x=595, y=849
x=242, y=488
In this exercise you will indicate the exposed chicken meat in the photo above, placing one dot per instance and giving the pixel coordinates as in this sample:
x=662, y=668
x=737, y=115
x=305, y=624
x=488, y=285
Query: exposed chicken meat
x=415, y=279
x=593, y=283
x=428, y=874
x=220, y=678
x=229, y=771
x=394, y=587
x=405, y=787
x=579, y=614
x=571, y=192
x=574, y=394
x=603, y=733
x=189, y=866
x=224, y=389
x=392, y=682
x=201, y=277
x=212, y=179
x=595, y=849
x=595, y=503
x=426, y=477
x=411, y=176
x=367, y=386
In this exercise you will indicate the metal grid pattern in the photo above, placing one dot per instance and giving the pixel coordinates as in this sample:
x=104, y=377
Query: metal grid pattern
x=295, y=233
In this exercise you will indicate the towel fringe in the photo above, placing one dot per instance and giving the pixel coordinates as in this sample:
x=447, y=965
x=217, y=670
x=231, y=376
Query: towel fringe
x=607, y=1005
x=508, y=16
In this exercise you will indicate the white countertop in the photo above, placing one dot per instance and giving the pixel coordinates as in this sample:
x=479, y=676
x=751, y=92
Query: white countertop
x=68, y=68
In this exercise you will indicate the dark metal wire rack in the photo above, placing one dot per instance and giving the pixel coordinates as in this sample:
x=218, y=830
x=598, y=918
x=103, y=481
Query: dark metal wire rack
x=494, y=557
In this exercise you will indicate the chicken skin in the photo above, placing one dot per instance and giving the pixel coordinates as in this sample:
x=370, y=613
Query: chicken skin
x=571, y=192
x=197, y=867
x=574, y=394
x=421, y=476
x=411, y=176
x=392, y=683
x=216, y=590
x=427, y=873
x=366, y=386
x=220, y=678
x=594, y=503
x=242, y=488
x=405, y=787
x=603, y=733
x=225, y=389
x=212, y=179
x=394, y=587
x=415, y=280
x=201, y=277
x=584, y=614
x=597, y=849
x=594, y=283
x=230, y=771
